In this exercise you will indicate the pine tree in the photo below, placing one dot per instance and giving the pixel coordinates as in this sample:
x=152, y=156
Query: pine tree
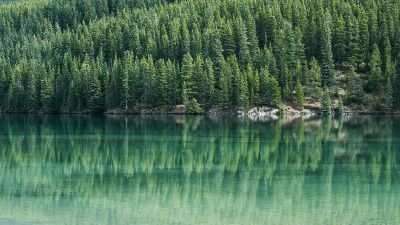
x=228, y=39
x=208, y=81
x=223, y=93
x=3, y=86
x=327, y=66
x=340, y=107
x=165, y=44
x=264, y=76
x=162, y=95
x=74, y=98
x=195, y=41
x=388, y=95
x=364, y=36
x=239, y=88
x=185, y=39
x=187, y=80
x=221, y=79
x=274, y=93
x=326, y=104
x=252, y=84
x=353, y=47
x=243, y=44
x=15, y=96
x=270, y=92
x=172, y=83
x=374, y=77
x=254, y=48
x=396, y=83
x=389, y=67
x=192, y=106
x=147, y=74
x=339, y=41
x=299, y=95
x=354, y=86
x=95, y=101
x=128, y=67
x=285, y=82
x=47, y=95
x=198, y=78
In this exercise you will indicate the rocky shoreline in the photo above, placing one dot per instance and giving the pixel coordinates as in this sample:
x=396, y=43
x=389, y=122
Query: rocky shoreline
x=256, y=113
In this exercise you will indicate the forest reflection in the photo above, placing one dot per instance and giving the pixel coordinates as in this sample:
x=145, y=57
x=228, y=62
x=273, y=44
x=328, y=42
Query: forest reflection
x=212, y=171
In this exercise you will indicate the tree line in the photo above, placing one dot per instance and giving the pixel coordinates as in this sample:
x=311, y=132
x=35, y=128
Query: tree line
x=99, y=55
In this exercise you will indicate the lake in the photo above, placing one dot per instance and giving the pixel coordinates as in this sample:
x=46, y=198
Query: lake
x=199, y=170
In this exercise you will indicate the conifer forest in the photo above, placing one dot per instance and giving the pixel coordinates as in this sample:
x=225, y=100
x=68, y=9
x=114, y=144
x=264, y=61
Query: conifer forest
x=62, y=56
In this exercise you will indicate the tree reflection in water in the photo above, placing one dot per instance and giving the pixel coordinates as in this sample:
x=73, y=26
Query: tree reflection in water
x=197, y=170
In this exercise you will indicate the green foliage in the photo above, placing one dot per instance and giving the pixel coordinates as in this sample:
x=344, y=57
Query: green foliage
x=354, y=87
x=326, y=104
x=340, y=106
x=96, y=102
x=374, y=76
x=313, y=81
x=187, y=80
x=327, y=65
x=396, y=83
x=270, y=92
x=47, y=96
x=299, y=95
x=388, y=95
x=192, y=106
x=98, y=55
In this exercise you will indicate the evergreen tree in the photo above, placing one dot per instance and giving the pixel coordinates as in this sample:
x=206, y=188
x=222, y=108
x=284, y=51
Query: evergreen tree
x=314, y=81
x=270, y=92
x=339, y=41
x=327, y=66
x=47, y=95
x=364, y=36
x=228, y=39
x=374, y=77
x=239, y=88
x=396, y=83
x=162, y=95
x=264, y=86
x=299, y=95
x=243, y=44
x=187, y=80
x=173, y=90
x=388, y=95
x=326, y=104
x=206, y=84
x=147, y=73
x=354, y=87
x=274, y=93
x=60, y=56
x=128, y=67
x=353, y=47
x=340, y=107
x=95, y=101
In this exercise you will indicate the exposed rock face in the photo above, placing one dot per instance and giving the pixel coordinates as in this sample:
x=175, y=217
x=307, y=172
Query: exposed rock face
x=263, y=113
x=269, y=113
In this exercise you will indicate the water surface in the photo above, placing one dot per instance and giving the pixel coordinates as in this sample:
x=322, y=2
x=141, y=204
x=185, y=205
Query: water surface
x=197, y=170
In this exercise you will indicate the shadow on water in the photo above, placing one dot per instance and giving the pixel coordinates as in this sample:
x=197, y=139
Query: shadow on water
x=198, y=170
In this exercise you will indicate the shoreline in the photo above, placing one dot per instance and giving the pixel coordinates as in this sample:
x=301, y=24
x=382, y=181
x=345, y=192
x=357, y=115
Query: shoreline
x=254, y=111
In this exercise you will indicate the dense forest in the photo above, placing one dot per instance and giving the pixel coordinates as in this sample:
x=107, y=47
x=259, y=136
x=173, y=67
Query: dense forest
x=125, y=55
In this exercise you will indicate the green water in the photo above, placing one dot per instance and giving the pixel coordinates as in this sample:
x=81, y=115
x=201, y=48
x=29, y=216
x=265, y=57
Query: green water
x=197, y=170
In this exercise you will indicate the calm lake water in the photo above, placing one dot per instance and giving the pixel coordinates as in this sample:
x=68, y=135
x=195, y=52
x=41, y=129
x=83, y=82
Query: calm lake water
x=197, y=170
